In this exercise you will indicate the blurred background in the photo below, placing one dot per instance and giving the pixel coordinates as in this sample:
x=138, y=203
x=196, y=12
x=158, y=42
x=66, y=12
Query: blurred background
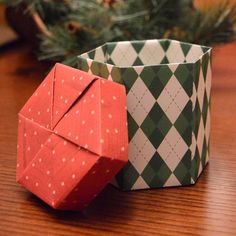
x=61, y=30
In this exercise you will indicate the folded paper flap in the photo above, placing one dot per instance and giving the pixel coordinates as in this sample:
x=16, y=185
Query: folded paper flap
x=69, y=86
x=95, y=122
x=38, y=108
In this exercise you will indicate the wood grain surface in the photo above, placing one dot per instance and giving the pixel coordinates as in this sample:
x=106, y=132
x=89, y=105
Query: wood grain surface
x=207, y=208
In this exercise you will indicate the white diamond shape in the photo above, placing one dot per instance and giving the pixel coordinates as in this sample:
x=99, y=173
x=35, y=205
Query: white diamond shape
x=140, y=151
x=194, y=53
x=140, y=184
x=152, y=53
x=175, y=53
x=99, y=55
x=172, y=181
x=200, y=137
x=208, y=81
x=124, y=54
x=173, y=99
x=193, y=146
x=139, y=101
x=208, y=125
x=194, y=97
x=201, y=90
x=172, y=148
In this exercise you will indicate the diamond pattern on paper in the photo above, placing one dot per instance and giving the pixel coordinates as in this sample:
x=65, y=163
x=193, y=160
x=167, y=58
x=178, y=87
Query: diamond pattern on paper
x=176, y=147
x=173, y=99
x=168, y=105
x=140, y=150
x=139, y=101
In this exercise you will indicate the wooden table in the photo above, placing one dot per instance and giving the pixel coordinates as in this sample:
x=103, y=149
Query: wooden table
x=208, y=208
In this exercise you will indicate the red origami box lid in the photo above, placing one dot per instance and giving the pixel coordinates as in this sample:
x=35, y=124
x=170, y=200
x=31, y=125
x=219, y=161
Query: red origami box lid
x=72, y=137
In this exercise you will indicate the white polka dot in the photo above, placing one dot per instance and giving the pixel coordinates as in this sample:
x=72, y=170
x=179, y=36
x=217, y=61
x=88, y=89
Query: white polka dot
x=76, y=189
x=73, y=77
x=40, y=159
x=54, y=192
x=53, y=203
x=81, y=78
x=48, y=172
x=33, y=164
x=62, y=183
x=107, y=171
x=36, y=94
x=107, y=131
x=35, y=133
x=62, y=81
x=44, y=84
x=17, y=146
x=103, y=81
x=61, y=97
x=73, y=159
x=57, y=112
x=125, y=107
x=116, y=131
x=19, y=121
x=83, y=122
x=47, y=126
x=92, y=95
x=126, y=124
x=92, y=112
x=64, y=143
x=91, y=131
x=83, y=163
x=114, y=97
x=18, y=165
x=49, y=92
x=77, y=112
x=49, y=185
x=122, y=149
x=86, y=146
x=64, y=159
x=102, y=101
x=56, y=132
x=49, y=140
x=66, y=115
x=101, y=140
x=30, y=110
x=25, y=134
x=53, y=152
x=69, y=134
x=26, y=177
x=48, y=110
x=66, y=100
x=76, y=137
x=32, y=119
x=41, y=145
x=84, y=101
x=110, y=116
x=94, y=172
x=36, y=184
x=73, y=176
x=28, y=149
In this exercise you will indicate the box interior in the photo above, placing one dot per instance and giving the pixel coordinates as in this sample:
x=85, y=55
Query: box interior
x=148, y=52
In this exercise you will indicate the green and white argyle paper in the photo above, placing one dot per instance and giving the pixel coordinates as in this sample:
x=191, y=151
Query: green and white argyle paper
x=168, y=87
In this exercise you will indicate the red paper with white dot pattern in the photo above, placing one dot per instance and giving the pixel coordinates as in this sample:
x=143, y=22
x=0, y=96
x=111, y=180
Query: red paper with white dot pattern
x=72, y=137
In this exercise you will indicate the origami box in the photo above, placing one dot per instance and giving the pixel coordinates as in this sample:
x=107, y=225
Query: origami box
x=168, y=93
x=72, y=137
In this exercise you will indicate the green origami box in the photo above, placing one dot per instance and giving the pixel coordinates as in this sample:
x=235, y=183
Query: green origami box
x=168, y=87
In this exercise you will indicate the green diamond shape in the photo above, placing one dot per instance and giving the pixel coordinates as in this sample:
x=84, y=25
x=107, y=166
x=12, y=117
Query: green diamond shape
x=197, y=118
x=156, y=125
x=129, y=76
x=205, y=109
x=83, y=64
x=156, y=172
x=127, y=177
x=104, y=73
x=164, y=73
x=185, y=77
x=132, y=126
x=195, y=165
x=182, y=171
x=204, y=152
x=116, y=75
